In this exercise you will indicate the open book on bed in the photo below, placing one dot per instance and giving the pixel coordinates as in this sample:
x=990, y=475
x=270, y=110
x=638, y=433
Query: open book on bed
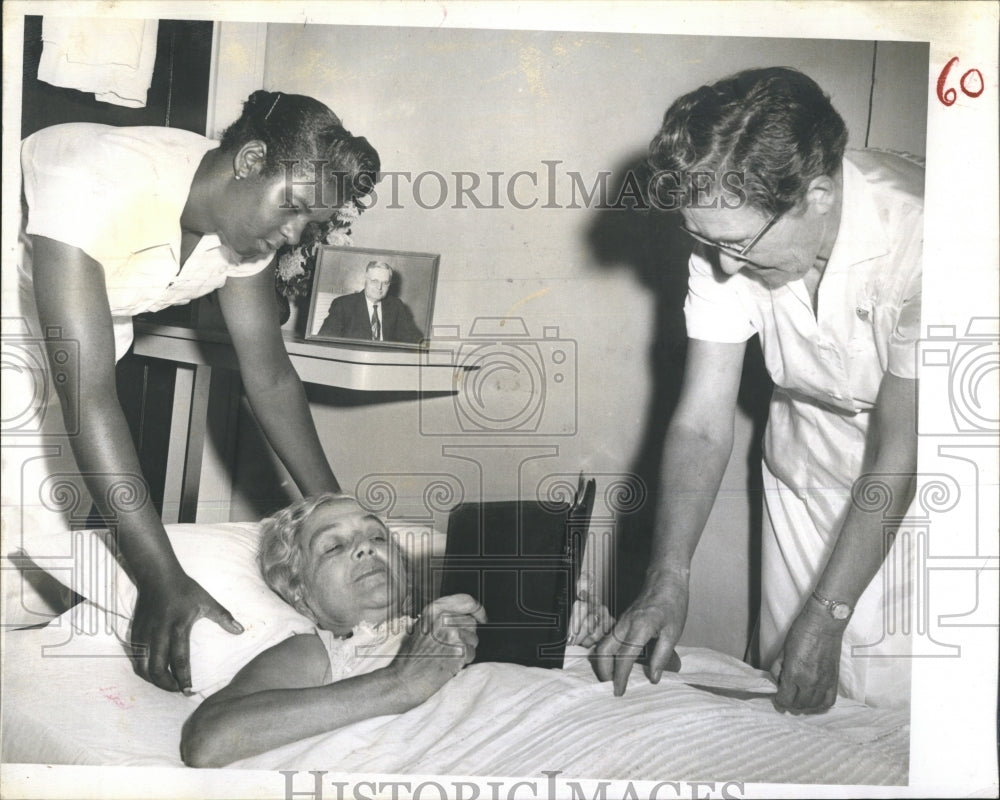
x=521, y=560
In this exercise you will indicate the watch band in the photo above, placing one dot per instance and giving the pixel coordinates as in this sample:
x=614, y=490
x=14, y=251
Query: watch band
x=836, y=608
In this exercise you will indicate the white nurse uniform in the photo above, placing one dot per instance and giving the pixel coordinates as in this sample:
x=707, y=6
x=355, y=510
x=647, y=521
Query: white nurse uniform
x=117, y=194
x=827, y=366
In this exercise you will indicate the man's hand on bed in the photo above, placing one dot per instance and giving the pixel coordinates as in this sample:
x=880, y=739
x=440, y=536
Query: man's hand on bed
x=442, y=641
x=161, y=629
x=809, y=666
x=659, y=613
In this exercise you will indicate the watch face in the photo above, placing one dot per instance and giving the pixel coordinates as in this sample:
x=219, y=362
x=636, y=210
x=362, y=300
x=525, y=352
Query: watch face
x=840, y=610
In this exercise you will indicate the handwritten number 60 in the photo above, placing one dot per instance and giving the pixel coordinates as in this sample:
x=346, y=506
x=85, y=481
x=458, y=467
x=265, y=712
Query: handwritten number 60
x=949, y=95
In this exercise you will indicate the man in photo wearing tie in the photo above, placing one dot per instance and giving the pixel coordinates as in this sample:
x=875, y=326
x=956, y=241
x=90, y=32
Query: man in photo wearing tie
x=372, y=314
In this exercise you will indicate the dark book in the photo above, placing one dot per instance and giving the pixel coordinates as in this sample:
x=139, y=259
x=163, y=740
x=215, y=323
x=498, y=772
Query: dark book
x=521, y=561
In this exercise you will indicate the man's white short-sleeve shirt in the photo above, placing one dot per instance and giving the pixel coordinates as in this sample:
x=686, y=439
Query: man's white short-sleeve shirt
x=868, y=308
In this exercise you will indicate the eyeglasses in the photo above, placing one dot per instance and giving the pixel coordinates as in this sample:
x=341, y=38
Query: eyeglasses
x=739, y=253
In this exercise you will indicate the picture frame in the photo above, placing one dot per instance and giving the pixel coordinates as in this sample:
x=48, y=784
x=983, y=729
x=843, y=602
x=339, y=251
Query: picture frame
x=406, y=310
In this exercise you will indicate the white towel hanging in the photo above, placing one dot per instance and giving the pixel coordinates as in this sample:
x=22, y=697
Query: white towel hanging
x=113, y=58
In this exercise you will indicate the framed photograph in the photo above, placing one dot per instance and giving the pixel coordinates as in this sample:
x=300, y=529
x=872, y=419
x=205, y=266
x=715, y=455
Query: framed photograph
x=382, y=298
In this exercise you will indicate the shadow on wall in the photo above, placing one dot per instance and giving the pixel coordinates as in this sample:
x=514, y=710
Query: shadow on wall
x=262, y=484
x=650, y=243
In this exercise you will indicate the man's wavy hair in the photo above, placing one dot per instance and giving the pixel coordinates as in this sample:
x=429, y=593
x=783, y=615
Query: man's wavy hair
x=380, y=265
x=280, y=552
x=299, y=128
x=774, y=127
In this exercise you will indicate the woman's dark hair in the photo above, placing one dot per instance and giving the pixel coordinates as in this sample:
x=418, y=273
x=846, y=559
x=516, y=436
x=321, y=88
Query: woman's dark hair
x=298, y=128
x=772, y=129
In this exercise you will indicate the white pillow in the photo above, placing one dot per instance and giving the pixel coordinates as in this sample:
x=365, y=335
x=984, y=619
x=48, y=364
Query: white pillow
x=222, y=557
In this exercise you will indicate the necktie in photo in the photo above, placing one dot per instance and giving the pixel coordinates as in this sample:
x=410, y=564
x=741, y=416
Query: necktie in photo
x=376, y=325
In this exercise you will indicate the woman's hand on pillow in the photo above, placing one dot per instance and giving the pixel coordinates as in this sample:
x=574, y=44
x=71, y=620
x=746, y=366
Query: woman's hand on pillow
x=161, y=629
x=443, y=640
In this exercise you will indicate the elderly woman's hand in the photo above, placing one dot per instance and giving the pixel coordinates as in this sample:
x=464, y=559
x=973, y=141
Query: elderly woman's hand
x=442, y=641
x=589, y=621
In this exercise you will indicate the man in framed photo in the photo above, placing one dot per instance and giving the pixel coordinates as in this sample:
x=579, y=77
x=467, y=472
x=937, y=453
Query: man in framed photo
x=372, y=314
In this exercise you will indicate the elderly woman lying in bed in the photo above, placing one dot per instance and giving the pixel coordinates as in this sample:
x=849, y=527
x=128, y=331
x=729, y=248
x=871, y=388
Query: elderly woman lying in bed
x=339, y=565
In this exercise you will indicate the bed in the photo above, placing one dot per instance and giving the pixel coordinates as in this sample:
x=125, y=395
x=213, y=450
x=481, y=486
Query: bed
x=71, y=698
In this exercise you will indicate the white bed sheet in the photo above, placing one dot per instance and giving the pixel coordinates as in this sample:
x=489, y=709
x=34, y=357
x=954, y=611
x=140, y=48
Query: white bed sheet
x=493, y=719
x=73, y=699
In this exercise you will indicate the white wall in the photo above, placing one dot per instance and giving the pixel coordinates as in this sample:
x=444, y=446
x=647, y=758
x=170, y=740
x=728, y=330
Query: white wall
x=450, y=101
x=899, y=102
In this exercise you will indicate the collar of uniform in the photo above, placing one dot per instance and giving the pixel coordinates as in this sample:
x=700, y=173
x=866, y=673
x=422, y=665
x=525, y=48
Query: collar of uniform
x=861, y=236
x=172, y=190
x=211, y=241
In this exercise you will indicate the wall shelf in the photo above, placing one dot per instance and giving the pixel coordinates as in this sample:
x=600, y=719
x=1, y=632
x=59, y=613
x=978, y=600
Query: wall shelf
x=202, y=445
x=373, y=369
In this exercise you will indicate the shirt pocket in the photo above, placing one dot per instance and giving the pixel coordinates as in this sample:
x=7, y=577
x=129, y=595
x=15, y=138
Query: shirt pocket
x=872, y=324
x=141, y=278
x=203, y=273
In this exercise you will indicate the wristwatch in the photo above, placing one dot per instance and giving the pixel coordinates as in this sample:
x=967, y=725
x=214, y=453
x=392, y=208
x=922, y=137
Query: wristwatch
x=838, y=610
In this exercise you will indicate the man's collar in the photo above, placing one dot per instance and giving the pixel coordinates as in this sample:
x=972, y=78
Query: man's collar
x=861, y=236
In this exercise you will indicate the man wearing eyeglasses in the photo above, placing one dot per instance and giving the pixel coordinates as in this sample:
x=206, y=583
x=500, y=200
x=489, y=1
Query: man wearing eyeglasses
x=822, y=260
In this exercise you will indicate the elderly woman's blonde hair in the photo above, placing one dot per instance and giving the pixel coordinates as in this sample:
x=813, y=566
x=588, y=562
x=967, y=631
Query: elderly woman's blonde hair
x=280, y=553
